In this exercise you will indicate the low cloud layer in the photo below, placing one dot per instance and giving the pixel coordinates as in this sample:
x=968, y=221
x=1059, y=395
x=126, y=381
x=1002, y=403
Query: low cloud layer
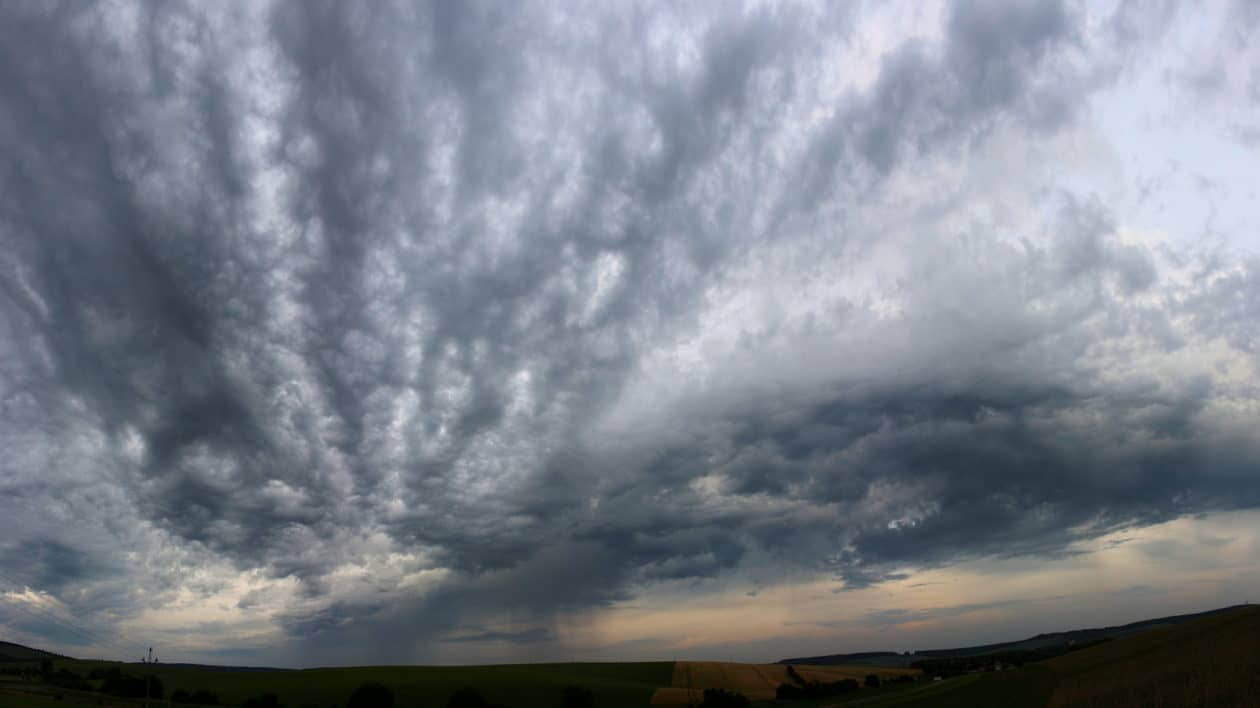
x=350, y=333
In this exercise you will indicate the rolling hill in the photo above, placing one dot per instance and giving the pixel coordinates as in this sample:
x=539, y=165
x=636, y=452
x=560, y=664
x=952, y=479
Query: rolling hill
x=16, y=652
x=1053, y=640
x=1210, y=661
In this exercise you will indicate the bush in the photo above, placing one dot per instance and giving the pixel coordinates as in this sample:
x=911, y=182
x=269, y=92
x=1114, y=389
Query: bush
x=791, y=672
x=466, y=697
x=124, y=686
x=266, y=700
x=64, y=675
x=203, y=697
x=200, y=697
x=577, y=697
x=721, y=698
x=99, y=673
x=64, y=678
x=371, y=695
x=872, y=681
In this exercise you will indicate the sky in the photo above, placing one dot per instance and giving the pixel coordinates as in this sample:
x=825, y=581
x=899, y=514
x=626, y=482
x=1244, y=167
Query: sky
x=455, y=332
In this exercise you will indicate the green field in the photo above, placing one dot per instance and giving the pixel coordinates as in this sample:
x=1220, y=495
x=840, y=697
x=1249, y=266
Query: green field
x=519, y=685
x=21, y=701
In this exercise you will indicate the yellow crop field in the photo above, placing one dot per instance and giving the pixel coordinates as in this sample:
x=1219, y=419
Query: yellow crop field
x=757, y=681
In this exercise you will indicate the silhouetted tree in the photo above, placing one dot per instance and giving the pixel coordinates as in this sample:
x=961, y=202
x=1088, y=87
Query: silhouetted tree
x=371, y=695
x=815, y=689
x=466, y=697
x=577, y=697
x=125, y=686
x=66, y=678
x=203, y=697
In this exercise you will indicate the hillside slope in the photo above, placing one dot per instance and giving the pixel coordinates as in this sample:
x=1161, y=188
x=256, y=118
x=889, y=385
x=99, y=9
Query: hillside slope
x=1212, y=661
x=1040, y=641
x=18, y=652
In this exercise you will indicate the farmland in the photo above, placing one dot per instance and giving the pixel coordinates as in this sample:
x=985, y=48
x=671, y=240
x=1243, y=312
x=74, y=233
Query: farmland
x=1210, y=661
x=757, y=681
x=519, y=686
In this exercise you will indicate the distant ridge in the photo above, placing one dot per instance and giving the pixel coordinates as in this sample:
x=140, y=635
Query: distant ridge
x=1040, y=641
x=10, y=652
x=872, y=658
x=216, y=667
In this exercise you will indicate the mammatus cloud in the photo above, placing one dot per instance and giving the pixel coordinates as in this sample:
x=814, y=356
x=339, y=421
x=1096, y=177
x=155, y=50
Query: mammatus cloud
x=416, y=324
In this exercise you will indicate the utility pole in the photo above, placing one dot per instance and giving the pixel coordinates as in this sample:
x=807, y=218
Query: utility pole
x=148, y=662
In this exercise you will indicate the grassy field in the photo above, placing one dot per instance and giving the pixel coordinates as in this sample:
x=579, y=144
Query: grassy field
x=14, y=694
x=9, y=700
x=519, y=686
x=1209, y=662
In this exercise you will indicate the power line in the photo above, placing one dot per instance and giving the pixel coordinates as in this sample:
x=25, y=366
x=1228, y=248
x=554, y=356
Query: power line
x=39, y=612
x=45, y=618
x=148, y=674
x=42, y=614
x=94, y=638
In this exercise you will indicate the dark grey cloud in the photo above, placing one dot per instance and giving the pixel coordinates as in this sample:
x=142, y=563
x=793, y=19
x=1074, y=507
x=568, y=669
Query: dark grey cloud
x=903, y=615
x=49, y=564
x=990, y=61
x=346, y=297
x=537, y=634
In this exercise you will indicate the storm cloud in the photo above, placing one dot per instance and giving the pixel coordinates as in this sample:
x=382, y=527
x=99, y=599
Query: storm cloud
x=412, y=324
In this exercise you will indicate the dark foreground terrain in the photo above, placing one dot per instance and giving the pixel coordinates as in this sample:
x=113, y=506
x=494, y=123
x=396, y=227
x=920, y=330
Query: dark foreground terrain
x=1212, y=661
x=1051, y=643
x=1208, y=660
